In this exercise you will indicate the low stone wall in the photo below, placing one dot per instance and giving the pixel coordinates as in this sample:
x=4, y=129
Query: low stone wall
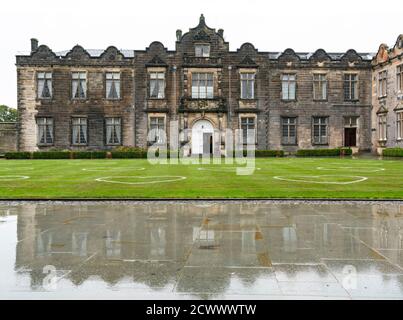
x=8, y=136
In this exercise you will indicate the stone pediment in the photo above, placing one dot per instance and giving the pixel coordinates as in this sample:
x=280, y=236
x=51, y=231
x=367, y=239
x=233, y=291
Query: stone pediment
x=77, y=53
x=156, y=61
x=247, y=62
x=44, y=53
x=112, y=54
x=382, y=109
x=201, y=36
x=351, y=56
x=320, y=55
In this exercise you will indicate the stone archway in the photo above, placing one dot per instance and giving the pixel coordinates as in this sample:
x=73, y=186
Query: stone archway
x=202, y=137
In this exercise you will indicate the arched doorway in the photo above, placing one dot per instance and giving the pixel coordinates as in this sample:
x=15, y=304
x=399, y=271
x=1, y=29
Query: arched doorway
x=202, y=137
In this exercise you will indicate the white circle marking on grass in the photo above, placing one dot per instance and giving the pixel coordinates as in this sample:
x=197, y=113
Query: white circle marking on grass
x=13, y=178
x=360, y=179
x=357, y=169
x=112, y=169
x=234, y=169
x=174, y=178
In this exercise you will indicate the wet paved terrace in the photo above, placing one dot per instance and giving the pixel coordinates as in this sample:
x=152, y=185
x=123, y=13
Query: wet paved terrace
x=201, y=250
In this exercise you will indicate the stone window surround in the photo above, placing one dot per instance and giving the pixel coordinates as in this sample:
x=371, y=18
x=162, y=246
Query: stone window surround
x=357, y=73
x=296, y=130
x=248, y=115
x=202, y=44
x=156, y=115
x=289, y=73
x=121, y=131
x=113, y=70
x=399, y=125
x=53, y=131
x=382, y=84
x=71, y=130
x=43, y=70
x=250, y=71
x=156, y=70
x=382, y=121
x=71, y=87
x=190, y=71
x=399, y=78
x=325, y=73
x=327, y=130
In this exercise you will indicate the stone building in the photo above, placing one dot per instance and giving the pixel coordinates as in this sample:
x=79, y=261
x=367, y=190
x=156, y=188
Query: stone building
x=99, y=99
x=387, y=97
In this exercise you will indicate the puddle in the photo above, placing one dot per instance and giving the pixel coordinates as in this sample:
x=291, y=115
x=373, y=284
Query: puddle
x=203, y=250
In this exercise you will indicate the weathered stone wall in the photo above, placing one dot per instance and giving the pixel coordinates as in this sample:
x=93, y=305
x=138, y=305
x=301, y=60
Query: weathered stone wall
x=224, y=111
x=387, y=60
x=8, y=136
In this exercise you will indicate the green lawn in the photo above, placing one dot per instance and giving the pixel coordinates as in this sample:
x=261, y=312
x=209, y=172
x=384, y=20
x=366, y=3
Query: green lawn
x=273, y=178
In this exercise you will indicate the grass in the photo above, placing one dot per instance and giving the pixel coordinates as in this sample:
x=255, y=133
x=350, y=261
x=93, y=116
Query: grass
x=311, y=178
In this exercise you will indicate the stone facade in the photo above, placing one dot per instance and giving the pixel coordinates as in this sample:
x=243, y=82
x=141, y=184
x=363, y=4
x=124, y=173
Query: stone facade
x=387, y=97
x=263, y=106
x=8, y=136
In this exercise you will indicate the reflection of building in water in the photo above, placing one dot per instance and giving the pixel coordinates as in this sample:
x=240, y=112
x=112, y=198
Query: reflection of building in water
x=151, y=243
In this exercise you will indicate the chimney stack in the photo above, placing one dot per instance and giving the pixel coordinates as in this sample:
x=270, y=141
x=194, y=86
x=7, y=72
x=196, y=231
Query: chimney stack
x=34, y=45
x=221, y=32
x=178, y=35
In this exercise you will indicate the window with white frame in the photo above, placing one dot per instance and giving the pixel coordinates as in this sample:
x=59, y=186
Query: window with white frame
x=112, y=85
x=382, y=82
x=289, y=130
x=350, y=87
x=44, y=85
x=202, y=86
x=157, y=129
x=157, y=85
x=382, y=127
x=319, y=86
x=247, y=85
x=45, y=131
x=320, y=130
x=113, y=131
x=288, y=85
x=399, y=78
x=79, y=131
x=79, y=85
x=202, y=50
x=399, y=124
x=248, y=127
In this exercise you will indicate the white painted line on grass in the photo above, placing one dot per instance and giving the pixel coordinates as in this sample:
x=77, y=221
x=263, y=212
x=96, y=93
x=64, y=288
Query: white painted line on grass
x=173, y=178
x=290, y=178
x=13, y=178
x=356, y=169
x=112, y=169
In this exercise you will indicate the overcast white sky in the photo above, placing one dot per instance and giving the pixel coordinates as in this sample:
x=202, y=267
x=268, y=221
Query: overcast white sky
x=303, y=25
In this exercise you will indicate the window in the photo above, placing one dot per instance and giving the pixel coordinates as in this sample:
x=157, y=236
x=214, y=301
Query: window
x=113, y=131
x=399, y=78
x=289, y=131
x=350, y=87
x=202, y=50
x=399, y=125
x=382, y=84
x=202, y=85
x=45, y=131
x=79, y=132
x=79, y=85
x=113, y=85
x=350, y=122
x=157, y=85
x=382, y=131
x=157, y=128
x=319, y=87
x=247, y=124
x=247, y=85
x=44, y=85
x=320, y=130
x=288, y=86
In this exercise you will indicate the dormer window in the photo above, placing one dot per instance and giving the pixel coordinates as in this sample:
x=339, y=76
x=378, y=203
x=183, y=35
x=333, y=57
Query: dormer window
x=202, y=50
